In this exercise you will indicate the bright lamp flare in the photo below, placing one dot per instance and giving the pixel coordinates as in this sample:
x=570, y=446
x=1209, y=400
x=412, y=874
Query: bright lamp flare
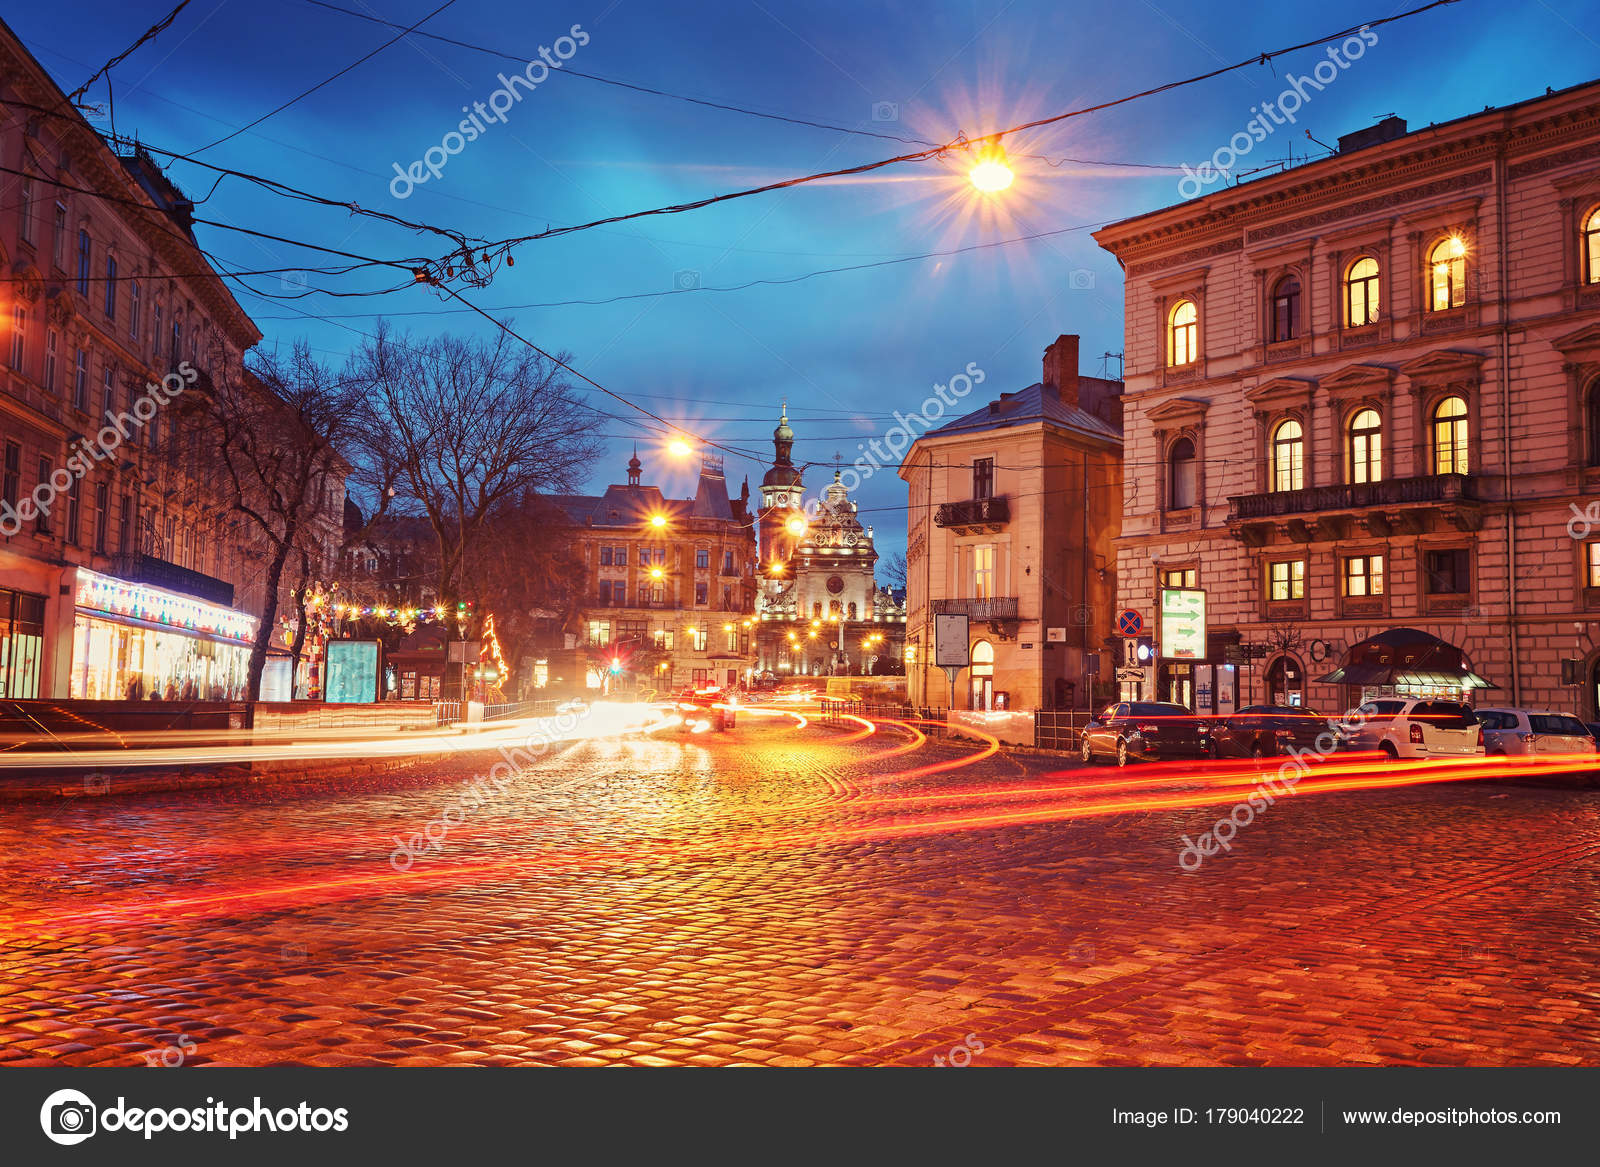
x=658, y=521
x=991, y=175
x=679, y=448
x=796, y=526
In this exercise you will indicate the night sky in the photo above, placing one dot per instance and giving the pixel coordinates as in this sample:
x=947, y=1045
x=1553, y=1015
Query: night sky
x=845, y=349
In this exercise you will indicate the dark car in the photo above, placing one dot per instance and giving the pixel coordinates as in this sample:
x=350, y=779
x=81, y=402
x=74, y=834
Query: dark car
x=1145, y=731
x=702, y=710
x=1260, y=731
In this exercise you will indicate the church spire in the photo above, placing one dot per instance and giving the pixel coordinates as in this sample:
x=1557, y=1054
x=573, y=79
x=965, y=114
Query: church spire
x=634, y=466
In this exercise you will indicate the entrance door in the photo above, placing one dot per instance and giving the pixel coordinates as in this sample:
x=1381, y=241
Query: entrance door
x=982, y=694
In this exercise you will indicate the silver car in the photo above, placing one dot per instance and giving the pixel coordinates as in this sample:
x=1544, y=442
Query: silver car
x=1514, y=732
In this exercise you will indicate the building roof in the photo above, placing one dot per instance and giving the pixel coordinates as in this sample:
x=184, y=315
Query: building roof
x=1032, y=404
x=633, y=506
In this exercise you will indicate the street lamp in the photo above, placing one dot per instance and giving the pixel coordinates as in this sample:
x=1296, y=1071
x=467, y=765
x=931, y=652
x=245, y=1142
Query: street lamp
x=796, y=526
x=993, y=172
x=679, y=448
x=658, y=521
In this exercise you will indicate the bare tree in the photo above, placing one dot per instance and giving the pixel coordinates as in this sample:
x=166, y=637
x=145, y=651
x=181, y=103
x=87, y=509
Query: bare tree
x=276, y=425
x=893, y=570
x=452, y=428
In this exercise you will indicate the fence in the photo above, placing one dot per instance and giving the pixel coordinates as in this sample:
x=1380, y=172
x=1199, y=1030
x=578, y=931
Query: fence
x=545, y=707
x=1052, y=729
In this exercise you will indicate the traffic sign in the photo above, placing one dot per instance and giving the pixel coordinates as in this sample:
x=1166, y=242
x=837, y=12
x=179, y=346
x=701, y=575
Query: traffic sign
x=1130, y=623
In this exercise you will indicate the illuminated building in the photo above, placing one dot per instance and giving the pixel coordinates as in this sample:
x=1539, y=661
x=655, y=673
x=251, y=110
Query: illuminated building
x=1013, y=512
x=102, y=473
x=821, y=611
x=671, y=583
x=1364, y=394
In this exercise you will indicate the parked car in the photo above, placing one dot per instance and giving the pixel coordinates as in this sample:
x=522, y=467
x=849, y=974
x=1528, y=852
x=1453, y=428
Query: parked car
x=1260, y=731
x=1145, y=731
x=1534, y=731
x=1411, y=727
x=1594, y=731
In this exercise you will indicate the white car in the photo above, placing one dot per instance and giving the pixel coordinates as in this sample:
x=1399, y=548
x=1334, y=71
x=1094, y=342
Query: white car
x=1534, y=731
x=1411, y=727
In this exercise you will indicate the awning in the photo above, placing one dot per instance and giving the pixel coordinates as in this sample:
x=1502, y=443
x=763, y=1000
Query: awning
x=1397, y=658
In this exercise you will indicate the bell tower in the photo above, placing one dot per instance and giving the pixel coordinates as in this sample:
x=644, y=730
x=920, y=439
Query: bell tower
x=781, y=496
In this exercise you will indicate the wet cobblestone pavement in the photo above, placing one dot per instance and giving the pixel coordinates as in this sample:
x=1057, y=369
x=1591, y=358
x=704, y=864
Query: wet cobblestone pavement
x=788, y=896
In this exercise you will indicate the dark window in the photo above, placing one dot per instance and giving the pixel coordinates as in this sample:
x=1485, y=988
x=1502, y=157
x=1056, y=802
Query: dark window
x=43, y=525
x=111, y=287
x=1181, y=470
x=74, y=510
x=702, y=558
x=1286, y=309
x=11, y=486
x=1557, y=723
x=605, y=592
x=727, y=563
x=125, y=525
x=1444, y=714
x=1593, y=415
x=102, y=516
x=621, y=559
x=983, y=478
x=83, y=263
x=1449, y=572
x=699, y=593
x=605, y=557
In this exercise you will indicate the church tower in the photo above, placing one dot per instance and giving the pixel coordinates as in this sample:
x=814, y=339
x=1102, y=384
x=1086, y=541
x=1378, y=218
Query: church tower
x=781, y=497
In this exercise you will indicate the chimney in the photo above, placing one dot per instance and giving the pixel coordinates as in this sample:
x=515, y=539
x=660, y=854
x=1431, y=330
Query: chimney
x=1387, y=130
x=1061, y=369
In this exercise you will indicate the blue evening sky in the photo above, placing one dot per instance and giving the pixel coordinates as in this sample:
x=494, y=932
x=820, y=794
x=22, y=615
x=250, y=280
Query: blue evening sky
x=845, y=349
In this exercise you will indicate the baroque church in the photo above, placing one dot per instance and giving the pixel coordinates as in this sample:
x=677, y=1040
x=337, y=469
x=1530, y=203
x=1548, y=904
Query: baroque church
x=820, y=611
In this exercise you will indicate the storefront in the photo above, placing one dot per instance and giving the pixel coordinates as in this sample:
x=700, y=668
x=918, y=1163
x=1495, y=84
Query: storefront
x=21, y=643
x=135, y=642
x=1405, y=662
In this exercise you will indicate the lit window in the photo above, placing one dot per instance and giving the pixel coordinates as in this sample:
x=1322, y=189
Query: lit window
x=1286, y=309
x=1363, y=575
x=1592, y=575
x=1361, y=293
x=1180, y=577
x=1287, y=580
x=19, y=335
x=1450, y=436
x=1181, y=475
x=1591, y=247
x=1288, y=456
x=1366, y=446
x=983, y=571
x=1183, y=333
x=1447, y=274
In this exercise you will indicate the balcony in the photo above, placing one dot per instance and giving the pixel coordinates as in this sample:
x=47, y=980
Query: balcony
x=974, y=515
x=158, y=573
x=995, y=609
x=1378, y=509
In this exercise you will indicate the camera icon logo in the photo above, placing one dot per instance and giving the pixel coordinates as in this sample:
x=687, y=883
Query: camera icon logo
x=685, y=281
x=294, y=281
x=886, y=111
x=68, y=1117
x=1080, y=279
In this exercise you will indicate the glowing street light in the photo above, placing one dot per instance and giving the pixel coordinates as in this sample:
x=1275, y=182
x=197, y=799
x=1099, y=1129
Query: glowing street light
x=796, y=526
x=679, y=448
x=658, y=521
x=656, y=573
x=993, y=172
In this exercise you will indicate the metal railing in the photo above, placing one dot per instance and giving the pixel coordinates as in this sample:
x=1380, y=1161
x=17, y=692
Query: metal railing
x=1349, y=496
x=447, y=712
x=973, y=512
x=1053, y=729
x=992, y=608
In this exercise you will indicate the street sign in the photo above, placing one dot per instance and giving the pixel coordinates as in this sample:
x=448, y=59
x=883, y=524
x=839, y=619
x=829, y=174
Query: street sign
x=1091, y=664
x=1130, y=674
x=1130, y=623
x=951, y=648
x=1055, y=635
x=1235, y=654
x=1183, y=624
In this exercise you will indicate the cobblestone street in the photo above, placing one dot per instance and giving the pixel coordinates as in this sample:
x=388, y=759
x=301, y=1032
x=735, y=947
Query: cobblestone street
x=797, y=896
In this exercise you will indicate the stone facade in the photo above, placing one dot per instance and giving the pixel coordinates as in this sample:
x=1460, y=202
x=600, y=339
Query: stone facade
x=1387, y=359
x=671, y=583
x=1014, y=510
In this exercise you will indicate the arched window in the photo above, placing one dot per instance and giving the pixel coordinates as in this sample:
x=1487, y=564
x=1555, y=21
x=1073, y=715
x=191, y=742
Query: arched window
x=1288, y=456
x=1183, y=333
x=1591, y=247
x=1286, y=309
x=1286, y=682
x=982, y=675
x=1361, y=293
x=1591, y=402
x=1366, y=446
x=1450, y=436
x=1181, y=475
x=1447, y=274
